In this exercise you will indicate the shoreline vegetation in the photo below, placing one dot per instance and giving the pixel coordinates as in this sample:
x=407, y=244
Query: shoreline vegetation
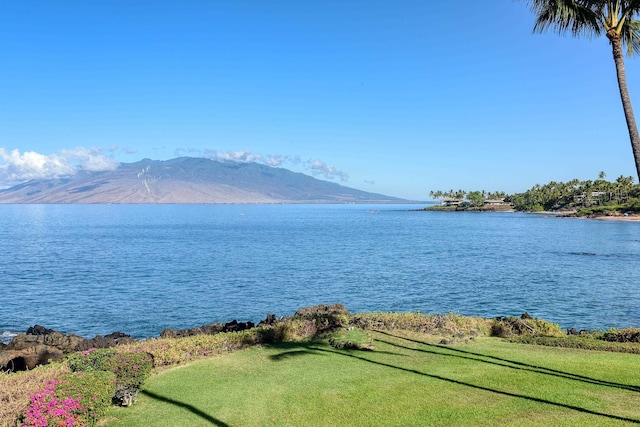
x=597, y=199
x=330, y=328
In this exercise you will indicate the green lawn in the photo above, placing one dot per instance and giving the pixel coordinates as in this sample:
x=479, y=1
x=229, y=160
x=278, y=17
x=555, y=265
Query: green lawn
x=404, y=382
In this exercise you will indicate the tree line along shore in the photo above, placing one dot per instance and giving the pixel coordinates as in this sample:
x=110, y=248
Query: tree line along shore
x=588, y=198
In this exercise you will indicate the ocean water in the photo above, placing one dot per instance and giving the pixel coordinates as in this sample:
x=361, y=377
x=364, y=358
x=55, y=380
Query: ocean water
x=95, y=269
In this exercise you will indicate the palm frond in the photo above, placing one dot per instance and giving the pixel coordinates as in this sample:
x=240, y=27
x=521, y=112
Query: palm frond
x=631, y=7
x=631, y=37
x=577, y=16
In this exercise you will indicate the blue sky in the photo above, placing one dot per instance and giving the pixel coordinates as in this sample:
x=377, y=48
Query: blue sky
x=398, y=98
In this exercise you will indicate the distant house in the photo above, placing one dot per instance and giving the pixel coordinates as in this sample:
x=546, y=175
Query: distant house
x=448, y=201
x=495, y=202
x=597, y=195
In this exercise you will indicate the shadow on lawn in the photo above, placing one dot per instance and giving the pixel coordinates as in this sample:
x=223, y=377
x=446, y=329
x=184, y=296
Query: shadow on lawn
x=301, y=349
x=186, y=406
x=493, y=360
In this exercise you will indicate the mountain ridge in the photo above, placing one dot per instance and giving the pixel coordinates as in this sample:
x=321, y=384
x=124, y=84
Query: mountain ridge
x=188, y=180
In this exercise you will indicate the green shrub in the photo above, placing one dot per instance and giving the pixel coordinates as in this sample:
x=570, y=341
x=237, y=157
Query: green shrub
x=622, y=335
x=633, y=205
x=599, y=210
x=440, y=324
x=585, y=342
x=131, y=370
x=509, y=326
x=351, y=338
x=90, y=360
x=292, y=329
x=325, y=317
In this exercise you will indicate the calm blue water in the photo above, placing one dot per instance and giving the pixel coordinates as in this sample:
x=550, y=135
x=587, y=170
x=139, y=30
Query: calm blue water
x=94, y=269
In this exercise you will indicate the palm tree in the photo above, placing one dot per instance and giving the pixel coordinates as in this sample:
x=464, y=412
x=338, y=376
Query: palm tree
x=614, y=18
x=436, y=195
x=623, y=185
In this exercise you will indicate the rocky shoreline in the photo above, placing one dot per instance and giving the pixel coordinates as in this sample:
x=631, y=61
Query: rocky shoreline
x=603, y=215
x=40, y=345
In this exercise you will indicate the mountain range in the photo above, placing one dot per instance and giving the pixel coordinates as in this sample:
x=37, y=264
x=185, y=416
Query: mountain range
x=188, y=180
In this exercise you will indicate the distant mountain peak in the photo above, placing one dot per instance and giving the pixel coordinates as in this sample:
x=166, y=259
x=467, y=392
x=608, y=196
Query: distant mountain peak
x=189, y=180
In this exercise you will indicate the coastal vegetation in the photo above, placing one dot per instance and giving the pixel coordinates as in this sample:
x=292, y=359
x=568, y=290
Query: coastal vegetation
x=616, y=19
x=576, y=195
x=325, y=366
x=586, y=198
x=473, y=198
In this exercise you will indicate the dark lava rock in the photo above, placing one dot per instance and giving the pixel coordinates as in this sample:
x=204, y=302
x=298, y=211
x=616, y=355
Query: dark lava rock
x=26, y=351
x=39, y=330
x=270, y=320
x=321, y=310
x=117, y=335
x=235, y=326
x=210, y=329
x=108, y=341
x=40, y=346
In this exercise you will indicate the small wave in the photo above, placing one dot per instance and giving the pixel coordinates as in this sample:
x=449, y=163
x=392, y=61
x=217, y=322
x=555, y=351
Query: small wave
x=7, y=336
x=583, y=253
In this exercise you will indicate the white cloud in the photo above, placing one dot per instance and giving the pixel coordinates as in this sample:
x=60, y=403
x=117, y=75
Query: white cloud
x=277, y=160
x=90, y=159
x=242, y=156
x=16, y=167
x=318, y=167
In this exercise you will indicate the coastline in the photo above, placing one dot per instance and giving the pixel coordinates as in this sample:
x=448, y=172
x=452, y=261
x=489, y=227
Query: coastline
x=559, y=214
x=629, y=218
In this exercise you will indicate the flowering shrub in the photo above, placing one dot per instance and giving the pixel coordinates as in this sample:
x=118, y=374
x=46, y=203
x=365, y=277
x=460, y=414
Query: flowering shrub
x=90, y=360
x=77, y=400
x=93, y=390
x=131, y=370
x=46, y=409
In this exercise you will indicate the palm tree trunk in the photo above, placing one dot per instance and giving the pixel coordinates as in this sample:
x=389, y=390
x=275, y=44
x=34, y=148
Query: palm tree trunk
x=626, y=100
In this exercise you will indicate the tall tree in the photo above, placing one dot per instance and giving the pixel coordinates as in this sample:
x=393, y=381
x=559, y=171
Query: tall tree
x=616, y=19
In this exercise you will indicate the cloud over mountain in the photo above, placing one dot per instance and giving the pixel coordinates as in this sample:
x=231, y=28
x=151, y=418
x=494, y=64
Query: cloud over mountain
x=179, y=180
x=17, y=167
x=317, y=167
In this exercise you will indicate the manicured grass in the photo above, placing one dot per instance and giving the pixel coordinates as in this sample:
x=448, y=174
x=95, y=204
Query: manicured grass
x=404, y=382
